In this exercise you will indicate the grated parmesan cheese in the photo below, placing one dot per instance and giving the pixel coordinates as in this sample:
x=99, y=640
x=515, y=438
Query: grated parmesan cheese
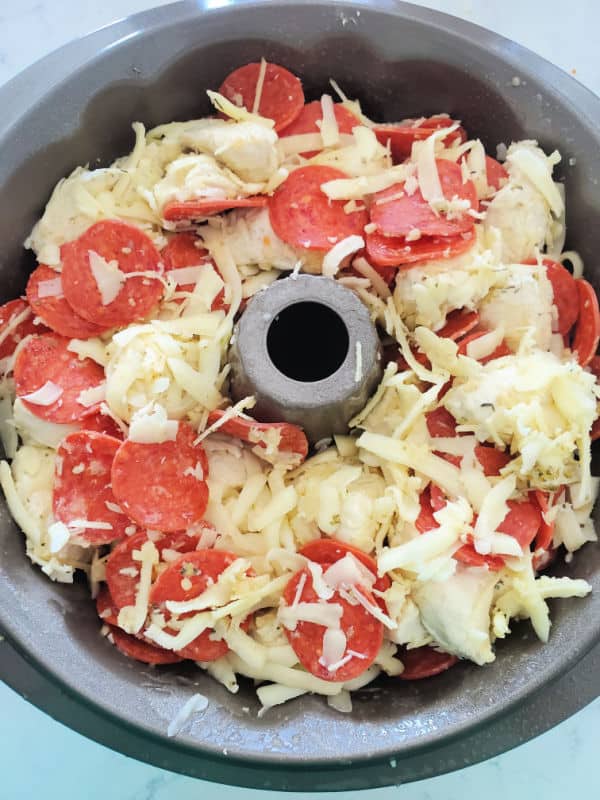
x=132, y=618
x=335, y=258
x=109, y=278
x=194, y=705
x=46, y=395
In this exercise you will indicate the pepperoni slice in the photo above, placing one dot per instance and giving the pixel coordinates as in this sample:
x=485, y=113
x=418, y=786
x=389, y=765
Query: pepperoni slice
x=201, y=207
x=491, y=459
x=107, y=611
x=522, y=522
x=181, y=251
x=424, y=662
x=544, y=538
x=458, y=324
x=10, y=338
x=395, y=251
x=281, y=100
x=121, y=576
x=587, y=330
x=310, y=118
x=397, y=213
x=201, y=569
x=132, y=251
x=565, y=292
x=594, y=367
x=184, y=250
x=364, y=634
x=502, y=350
x=82, y=489
x=46, y=359
x=162, y=486
x=402, y=135
x=426, y=521
x=438, y=498
x=496, y=175
x=101, y=423
x=122, y=585
x=328, y=551
x=468, y=556
x=54, y=310
x=440, y=423
x=303, y=216
x=140, y=650
x=450, y=458
x=292, y=438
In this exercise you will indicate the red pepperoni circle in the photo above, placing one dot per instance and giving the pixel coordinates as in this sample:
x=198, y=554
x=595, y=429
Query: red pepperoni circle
x=55, y=312
x=424, y=662
x=292, y=438
x=201, y=569
x=495, y=173
x=397, y=213
x=440, y=423
x=438, y=498
x=101, y=423
x=310, y=118
x=133, y=251
x=364, y=634
x=281, y=99
x=587, y=329
x=123, y=585
x=154, y=482
x=10, y=338
x=522, y=522
x=199, y=207
x=565, y=293
x=303, y=216
x=502, y=350
x=425, y=520
x=543, y=540
x=491, y=459
x=395, y=251
x=458, y=324
x=402, y=135
x=468, y=556
x=181, y=251
x=82, y=487
x=328, y=551
x=141, y=650
x=594, y=367
x=44, y=359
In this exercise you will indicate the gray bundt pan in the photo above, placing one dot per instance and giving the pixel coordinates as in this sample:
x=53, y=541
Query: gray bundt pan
x=76, y=106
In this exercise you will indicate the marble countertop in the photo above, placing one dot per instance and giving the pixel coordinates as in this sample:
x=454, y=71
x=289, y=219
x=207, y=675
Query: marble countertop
x=40, y=757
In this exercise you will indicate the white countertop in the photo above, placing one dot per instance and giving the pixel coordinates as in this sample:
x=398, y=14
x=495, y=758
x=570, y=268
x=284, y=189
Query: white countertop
x=40, y=757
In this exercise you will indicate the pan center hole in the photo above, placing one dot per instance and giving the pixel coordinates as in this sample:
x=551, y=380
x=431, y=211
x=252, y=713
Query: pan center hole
x=307, y=341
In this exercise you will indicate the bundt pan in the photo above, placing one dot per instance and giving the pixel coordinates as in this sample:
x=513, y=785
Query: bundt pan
x=76, y=106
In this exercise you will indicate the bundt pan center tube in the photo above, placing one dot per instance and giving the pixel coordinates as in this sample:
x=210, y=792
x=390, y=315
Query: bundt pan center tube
x=76, y=106
x=306, y=349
